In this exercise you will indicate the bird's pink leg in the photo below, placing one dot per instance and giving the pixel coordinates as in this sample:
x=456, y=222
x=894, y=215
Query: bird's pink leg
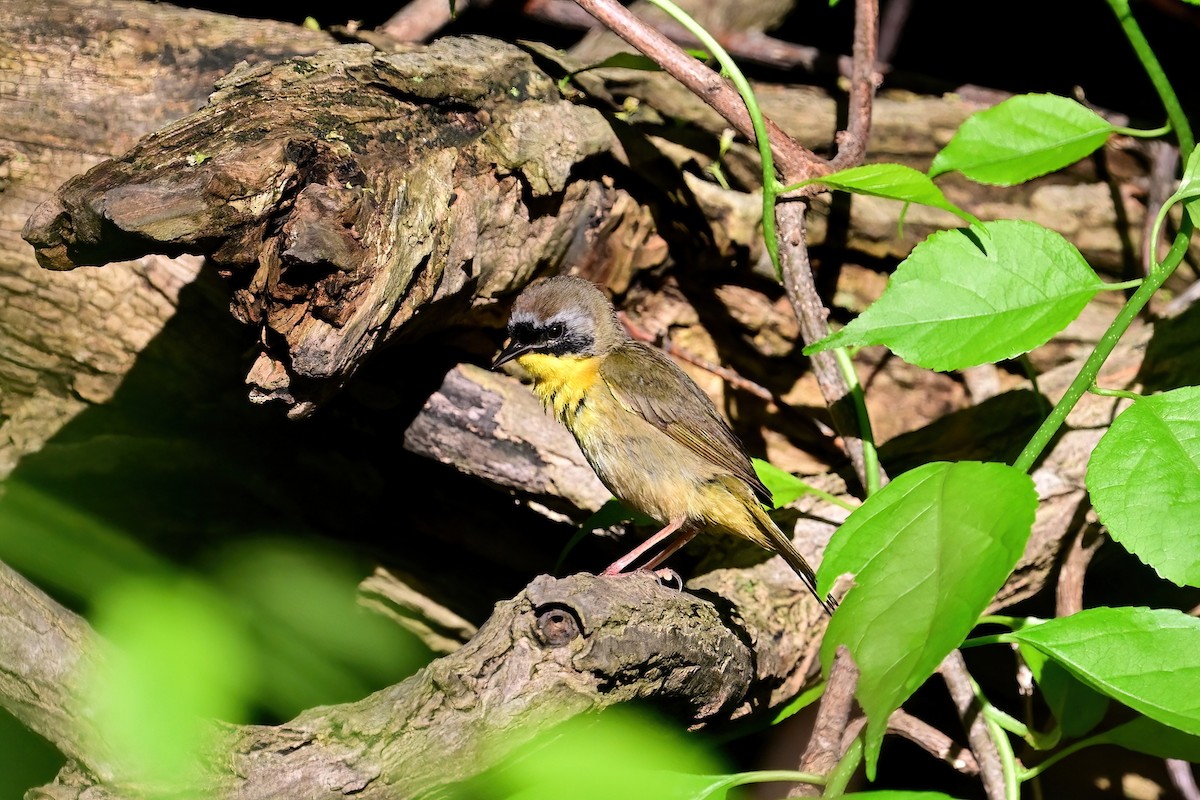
x=684, y=537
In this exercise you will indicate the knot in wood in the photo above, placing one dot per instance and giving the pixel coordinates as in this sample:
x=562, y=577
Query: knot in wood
x=557, y=625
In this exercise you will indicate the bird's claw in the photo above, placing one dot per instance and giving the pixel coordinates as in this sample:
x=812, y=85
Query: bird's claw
x=669, y=577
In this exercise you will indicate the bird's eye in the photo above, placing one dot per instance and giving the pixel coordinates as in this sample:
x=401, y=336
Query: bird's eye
x=556, y=330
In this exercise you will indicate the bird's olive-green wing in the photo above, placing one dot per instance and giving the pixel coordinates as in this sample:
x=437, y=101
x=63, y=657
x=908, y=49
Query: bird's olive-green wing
x=649, y=384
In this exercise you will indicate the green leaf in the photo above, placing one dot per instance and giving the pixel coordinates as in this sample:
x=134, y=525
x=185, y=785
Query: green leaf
x=786, y=487
x=928, y=551
x=1149, y=659
x=1077, y=707
x=181, y=661
x=800, y=702
x=893, y=181
x=1144, y=479
x=1144, y=735
x=627, y=61
x=1022, y=138
x=951, y=305
x=578, y=760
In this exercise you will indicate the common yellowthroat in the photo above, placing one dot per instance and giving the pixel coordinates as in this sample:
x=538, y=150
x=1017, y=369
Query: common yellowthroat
x=652, y=436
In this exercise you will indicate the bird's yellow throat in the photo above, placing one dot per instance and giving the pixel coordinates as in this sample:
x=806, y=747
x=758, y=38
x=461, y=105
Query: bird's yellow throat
x=561, y=381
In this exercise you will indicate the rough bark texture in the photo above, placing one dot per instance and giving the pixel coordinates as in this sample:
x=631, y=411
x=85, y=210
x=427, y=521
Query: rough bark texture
x=83, y=81
x=561, y=648
x=344, y=194
x=46, y=653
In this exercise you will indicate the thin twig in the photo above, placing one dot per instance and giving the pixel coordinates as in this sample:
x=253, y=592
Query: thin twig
x=895, y=17
x=754, y=47
x=932, y=741
x=1182, y=301
x=958, y=681
x=833, y=716
x=667, y=346
x=1068, y=592
x=1183, y=778
x=419, y=20
x=924, y=736
x=796, y=162
x=813, y=317
x=852, y=142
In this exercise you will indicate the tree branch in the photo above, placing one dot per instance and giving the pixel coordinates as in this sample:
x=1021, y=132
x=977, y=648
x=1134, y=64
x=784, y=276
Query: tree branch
x=795, y=162
x=825, y=748
x=958, y=681
x=46, y=655
x=560, y=648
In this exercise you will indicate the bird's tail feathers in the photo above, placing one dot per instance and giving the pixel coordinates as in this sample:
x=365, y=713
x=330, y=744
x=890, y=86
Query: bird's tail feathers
x=781, y=544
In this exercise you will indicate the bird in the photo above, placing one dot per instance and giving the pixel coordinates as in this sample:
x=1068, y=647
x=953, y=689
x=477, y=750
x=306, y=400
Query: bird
x=651, y=435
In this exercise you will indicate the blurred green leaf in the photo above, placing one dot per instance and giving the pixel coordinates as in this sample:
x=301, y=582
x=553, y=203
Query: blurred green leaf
x=1077, y=707
x=1144, y=480
x=952, y=305
x=1021, y=138
x=927, y=551
x=1144, y=735
x=891, y=181
x=1149, y=659
x=50, y=541
x=625, y=753
x=300, y=602
x=180, y=661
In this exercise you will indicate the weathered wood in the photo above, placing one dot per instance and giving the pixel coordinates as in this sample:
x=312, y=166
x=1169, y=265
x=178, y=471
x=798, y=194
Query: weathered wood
x=81, y=81
x=487, y=425
x=345, y=193
x=47, y=655
x=560, y=648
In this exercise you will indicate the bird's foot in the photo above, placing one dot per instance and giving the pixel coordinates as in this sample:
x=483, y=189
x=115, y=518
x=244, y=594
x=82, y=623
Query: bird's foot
x=666, y=576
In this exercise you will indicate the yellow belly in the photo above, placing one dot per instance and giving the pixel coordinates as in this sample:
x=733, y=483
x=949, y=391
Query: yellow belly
x=639, y=463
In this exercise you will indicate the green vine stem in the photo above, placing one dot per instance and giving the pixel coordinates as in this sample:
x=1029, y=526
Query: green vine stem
x=870, y=455
x=770, y=776
x=1030, y=773
x=1122, y=286
x=1091, y=368
x=840, y=777
x=1008, y=760
x=730, y=68
x=1094, y=389
x=1133, y=32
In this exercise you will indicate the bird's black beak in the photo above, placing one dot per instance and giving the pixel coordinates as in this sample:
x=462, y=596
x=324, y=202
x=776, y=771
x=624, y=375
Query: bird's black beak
x=511, y=350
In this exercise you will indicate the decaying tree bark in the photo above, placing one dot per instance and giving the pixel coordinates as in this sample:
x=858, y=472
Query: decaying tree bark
x=83, y=81
x=344, y=194
x=354, y=198
x=561, y=648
